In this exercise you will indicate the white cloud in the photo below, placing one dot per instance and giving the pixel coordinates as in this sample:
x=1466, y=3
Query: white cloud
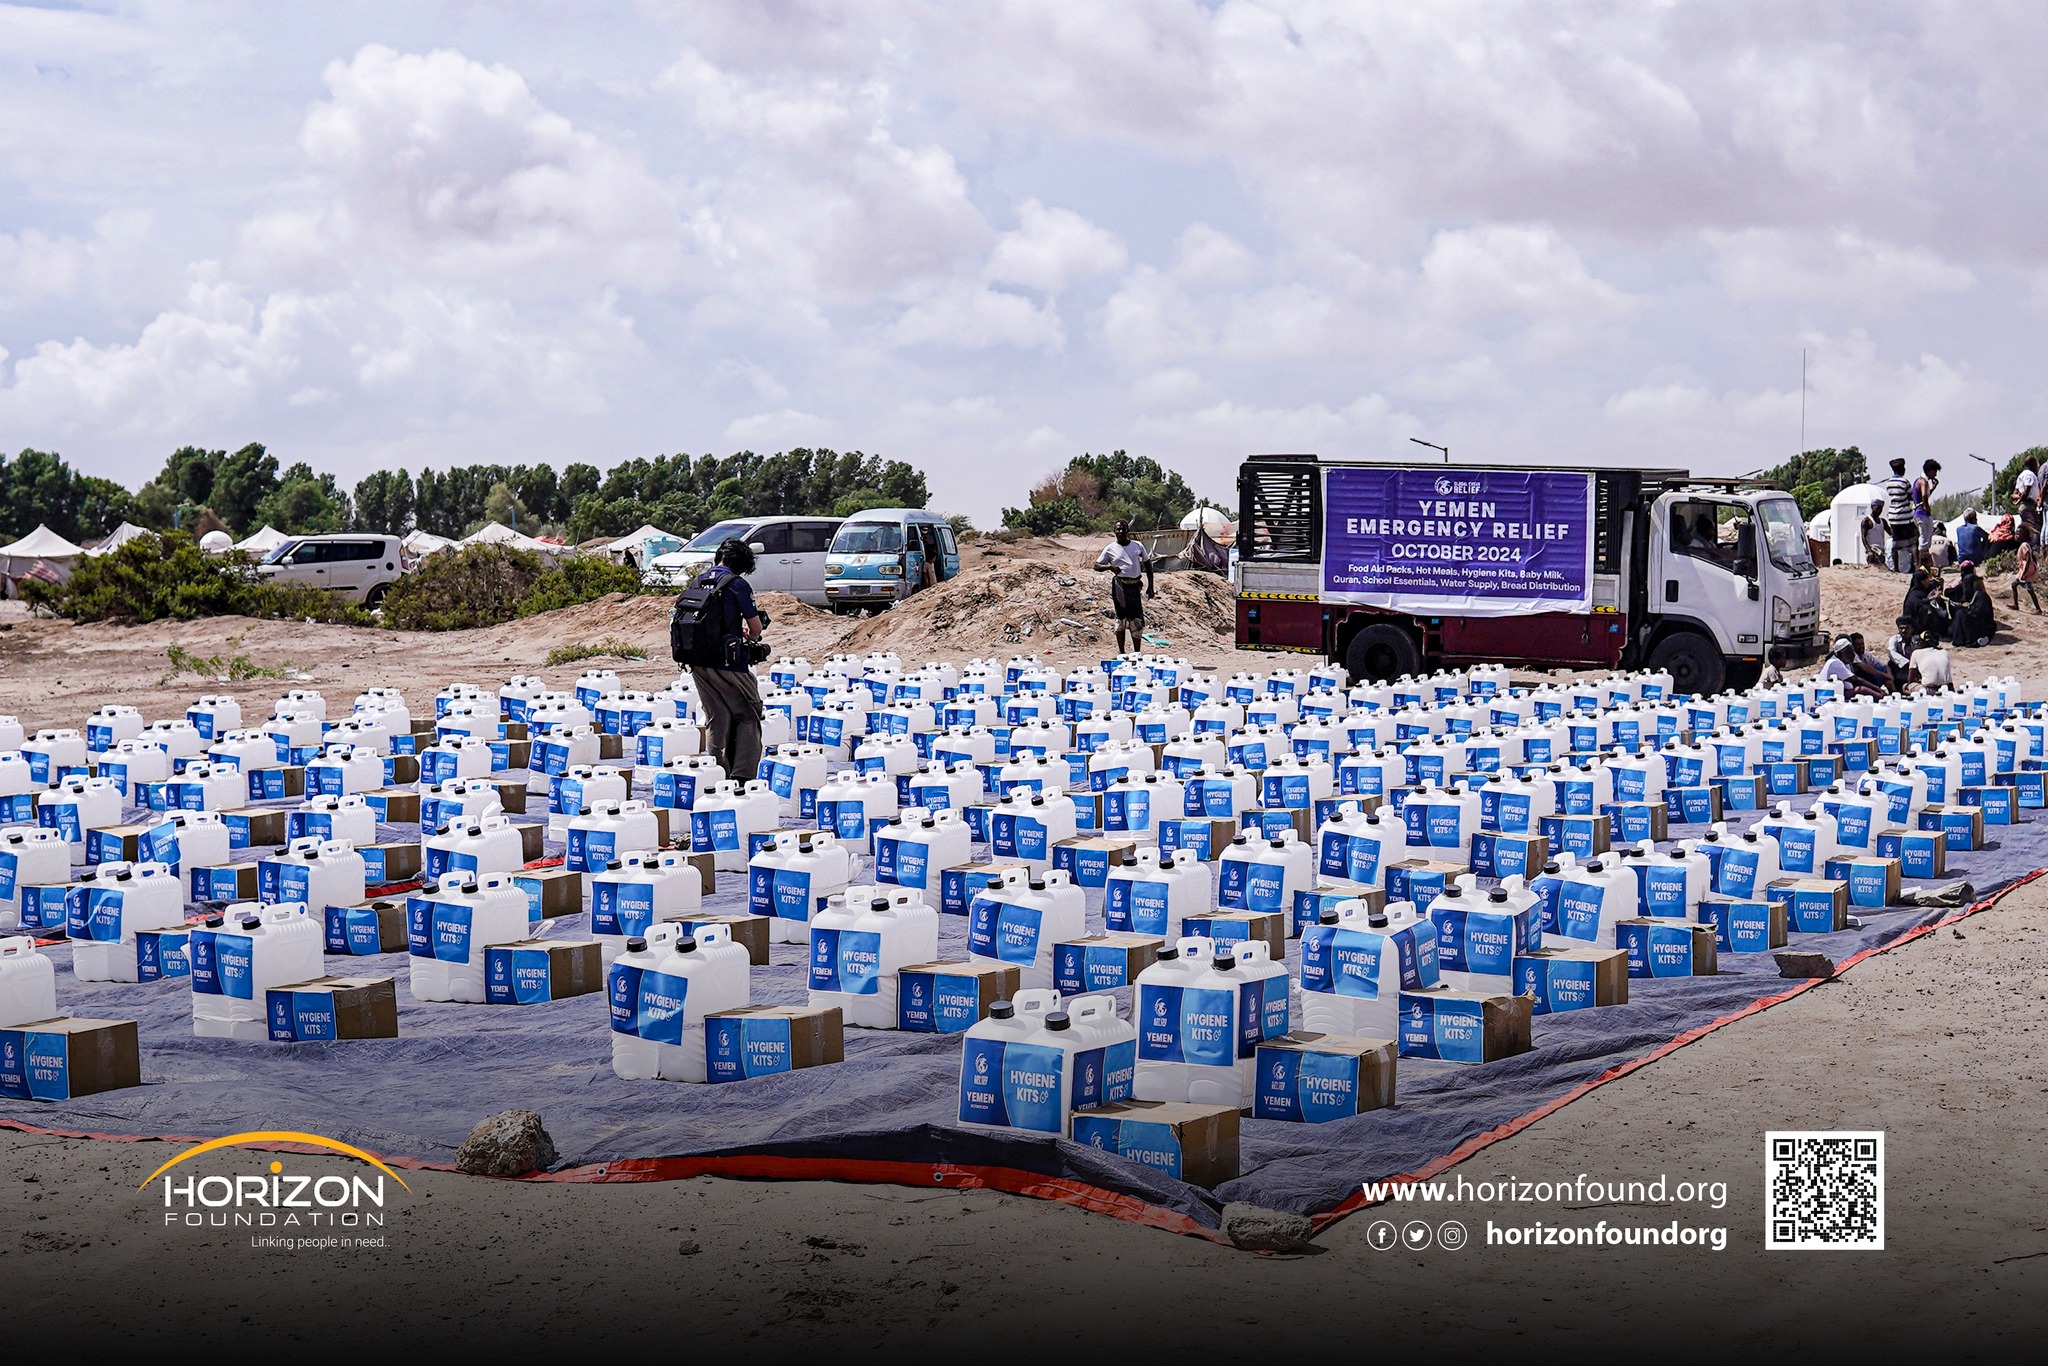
x=974, y=316
x=1839, y=267
x=776, y=430
x=1050, y=247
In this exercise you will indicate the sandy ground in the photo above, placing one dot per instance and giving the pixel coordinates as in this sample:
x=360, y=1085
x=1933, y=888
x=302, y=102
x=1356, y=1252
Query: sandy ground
x=1029, y=597
x=1938, y=1044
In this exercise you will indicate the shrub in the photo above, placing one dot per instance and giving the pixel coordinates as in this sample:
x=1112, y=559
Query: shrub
x=484, y=585
x=154, y=578
x=611, y=647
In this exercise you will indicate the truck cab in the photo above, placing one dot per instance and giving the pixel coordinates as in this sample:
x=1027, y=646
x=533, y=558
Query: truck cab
x=1624, y=569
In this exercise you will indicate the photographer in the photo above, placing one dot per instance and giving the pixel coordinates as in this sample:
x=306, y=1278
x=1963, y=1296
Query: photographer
x=731, y=698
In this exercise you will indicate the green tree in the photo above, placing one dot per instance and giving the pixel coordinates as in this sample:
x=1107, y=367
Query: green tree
x=37, y=488
x=384, y=503
x=502, y=505
x=1815, y=477
x=240, y=482
x=1094, y=491
x=577, y=480
x=303, y=504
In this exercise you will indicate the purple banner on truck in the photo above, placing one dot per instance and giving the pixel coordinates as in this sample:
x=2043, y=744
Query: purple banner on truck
x=1458, y=542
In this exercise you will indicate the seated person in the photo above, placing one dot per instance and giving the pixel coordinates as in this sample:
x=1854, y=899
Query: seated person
x=1899, y=651
x=1924, y=606
x=1941, y=551
x=1930, y=665
x=1839, y=671
x=1970, y=612
x=1972, y=541
x=1870, y=666
x=1774, y=668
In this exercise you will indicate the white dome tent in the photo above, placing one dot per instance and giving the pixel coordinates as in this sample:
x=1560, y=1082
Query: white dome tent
x=638, y=547
x=42, y=554
x=1850, y=507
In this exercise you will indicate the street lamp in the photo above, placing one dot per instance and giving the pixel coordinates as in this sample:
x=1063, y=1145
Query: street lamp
x=1433, y=446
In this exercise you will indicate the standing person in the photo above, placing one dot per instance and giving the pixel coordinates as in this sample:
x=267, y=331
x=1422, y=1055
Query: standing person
x=1972, y=541
x=730, y=696
x=2027, y=574
x=1128, y=560
x=1923, y=502
x=1875, y=542
x=1898, y=519
x=2026, y=485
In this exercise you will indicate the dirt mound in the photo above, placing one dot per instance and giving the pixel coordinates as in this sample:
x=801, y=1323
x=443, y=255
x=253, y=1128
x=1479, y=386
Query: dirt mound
x=1013, y=603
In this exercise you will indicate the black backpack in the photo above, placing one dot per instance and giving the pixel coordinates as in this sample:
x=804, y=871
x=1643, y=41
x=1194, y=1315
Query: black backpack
x=696, y=625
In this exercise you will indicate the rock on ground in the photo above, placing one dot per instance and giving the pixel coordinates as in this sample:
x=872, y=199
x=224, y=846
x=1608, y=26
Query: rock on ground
x=510, y=1143
x=1257, y=1229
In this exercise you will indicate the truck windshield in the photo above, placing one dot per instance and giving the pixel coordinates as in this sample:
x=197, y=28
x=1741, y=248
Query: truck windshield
x=1784, y=534
x=868, y=538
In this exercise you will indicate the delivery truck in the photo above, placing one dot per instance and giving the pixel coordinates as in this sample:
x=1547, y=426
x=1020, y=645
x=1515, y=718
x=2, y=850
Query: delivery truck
x=1392, y=568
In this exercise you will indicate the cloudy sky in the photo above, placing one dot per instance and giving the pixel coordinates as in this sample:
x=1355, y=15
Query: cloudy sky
x=987, y=236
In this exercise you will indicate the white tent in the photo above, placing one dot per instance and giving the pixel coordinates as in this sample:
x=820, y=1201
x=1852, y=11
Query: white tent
x=42, y=552
x=1850, y=507
x=642, y=545
x=262, y=542
x=497, y=533
x=119, y=537
x=1215, y=521
x=425, y=543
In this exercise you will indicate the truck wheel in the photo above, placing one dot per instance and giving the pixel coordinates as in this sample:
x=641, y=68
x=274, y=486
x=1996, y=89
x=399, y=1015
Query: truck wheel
x=1694, y=664
x=1382, y=653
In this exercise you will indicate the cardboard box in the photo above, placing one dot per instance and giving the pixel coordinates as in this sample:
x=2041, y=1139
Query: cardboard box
x=1634, y=822
x=534, y=971
x=1921, y=853
x=751, y=931
x=1103, y=962
x=1087, y=811
x=511, y=754
x=1226, y=928
x=1274, y=822
x=1873, y=880
x=1963, y=826
x=959, y=884
x=533, y=840
x=511, y=795
x=162, y=954
x=1420, y=881
x=759, y=1041
x=1309, y=904
x=68, y=1058
x=946, y=998
x=550, y=892
x=277, y=782
x=370, y=928
x=1786, y=777
x=227, y=882
x=1314, y=1078
x=1463, y=1026
x=1998, y=804
x=1583, y=836
x=401, y=768
x=1497, y=856
x=1088, y=858
x=1662, y=947
x=1192, y=1143
x=1693, y=805
x=384, y=864
x=1201, y=836
x=394, y=808
x=1557, y=980
x=327, y=1009
x=1745, y=925
x=114, y=844
x=611, y=747
x=1742, y=792
x=252, y=827
x=703, y=860
x=1813, y=905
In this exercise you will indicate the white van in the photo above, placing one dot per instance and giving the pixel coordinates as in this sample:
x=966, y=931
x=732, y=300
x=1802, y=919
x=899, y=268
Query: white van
x=359, y=567
x=789, y=555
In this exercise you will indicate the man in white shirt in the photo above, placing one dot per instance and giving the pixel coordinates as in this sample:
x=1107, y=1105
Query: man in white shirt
x=1838, y=670
x=1930, y=664
x=1128, y=561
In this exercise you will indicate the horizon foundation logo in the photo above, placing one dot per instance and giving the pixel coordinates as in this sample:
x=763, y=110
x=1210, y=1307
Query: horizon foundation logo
x=299, y=1211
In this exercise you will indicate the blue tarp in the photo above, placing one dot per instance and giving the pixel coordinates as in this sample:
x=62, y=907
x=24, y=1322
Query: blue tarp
x=892, y=1100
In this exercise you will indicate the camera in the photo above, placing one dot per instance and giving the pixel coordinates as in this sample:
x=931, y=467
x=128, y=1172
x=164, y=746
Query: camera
x=754, y=652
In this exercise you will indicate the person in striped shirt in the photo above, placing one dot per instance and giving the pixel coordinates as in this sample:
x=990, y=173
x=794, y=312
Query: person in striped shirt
x=1898, y=518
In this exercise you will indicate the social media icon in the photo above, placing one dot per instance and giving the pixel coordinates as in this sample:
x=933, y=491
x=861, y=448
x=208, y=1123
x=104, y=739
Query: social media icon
x=1382, y=1235
x=1451, y=1236
x=1415, y=1236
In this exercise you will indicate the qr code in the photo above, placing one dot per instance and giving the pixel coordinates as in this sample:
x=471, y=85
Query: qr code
x=1824, y=1191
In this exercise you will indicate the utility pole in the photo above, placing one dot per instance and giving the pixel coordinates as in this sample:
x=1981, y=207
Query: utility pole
x=1433, y=446
x=1802, y=400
